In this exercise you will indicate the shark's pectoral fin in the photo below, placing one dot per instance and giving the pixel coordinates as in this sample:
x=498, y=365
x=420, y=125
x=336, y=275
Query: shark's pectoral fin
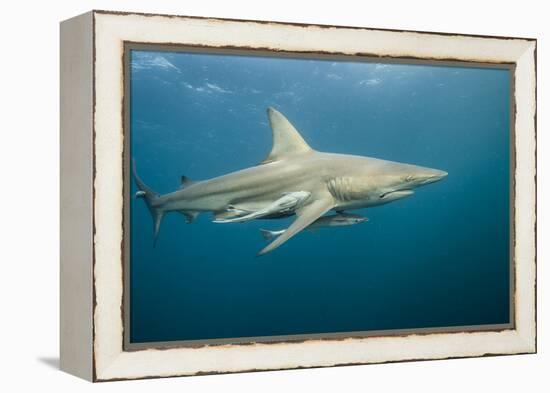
x=306, y=215
x=287, y=141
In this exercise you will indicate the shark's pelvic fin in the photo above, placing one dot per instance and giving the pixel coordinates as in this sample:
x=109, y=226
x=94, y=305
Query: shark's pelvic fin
x=189, y=215
x=287, y=141
x=306, y=215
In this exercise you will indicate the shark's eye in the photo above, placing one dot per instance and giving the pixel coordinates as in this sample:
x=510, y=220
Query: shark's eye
x=409, y=178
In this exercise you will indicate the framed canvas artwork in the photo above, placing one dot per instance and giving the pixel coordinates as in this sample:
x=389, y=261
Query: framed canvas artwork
x=247, y=195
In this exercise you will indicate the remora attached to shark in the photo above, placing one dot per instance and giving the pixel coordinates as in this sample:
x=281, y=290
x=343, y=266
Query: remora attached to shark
x=288, y=203
x=336, y=182
x=330, y=221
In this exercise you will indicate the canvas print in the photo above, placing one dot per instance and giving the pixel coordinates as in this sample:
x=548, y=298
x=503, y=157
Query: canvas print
x=278, y=197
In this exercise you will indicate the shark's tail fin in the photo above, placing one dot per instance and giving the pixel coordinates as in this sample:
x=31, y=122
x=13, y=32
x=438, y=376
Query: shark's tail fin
x=270, y=235
x=150, y=198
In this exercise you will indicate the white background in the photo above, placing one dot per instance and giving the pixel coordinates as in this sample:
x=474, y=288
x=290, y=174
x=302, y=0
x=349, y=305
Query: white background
x=29, y=205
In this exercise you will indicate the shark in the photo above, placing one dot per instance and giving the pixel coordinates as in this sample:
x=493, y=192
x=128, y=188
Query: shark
x=334, y=182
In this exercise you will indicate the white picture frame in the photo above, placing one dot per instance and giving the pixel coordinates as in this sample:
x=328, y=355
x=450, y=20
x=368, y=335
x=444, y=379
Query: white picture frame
x=92, y=194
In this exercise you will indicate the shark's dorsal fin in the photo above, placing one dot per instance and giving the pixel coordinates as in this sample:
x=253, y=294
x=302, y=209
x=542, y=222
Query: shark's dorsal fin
x=185, y=181
x=286, y=140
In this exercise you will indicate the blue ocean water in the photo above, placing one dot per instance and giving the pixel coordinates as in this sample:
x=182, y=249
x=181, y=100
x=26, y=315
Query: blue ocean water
x=439, y=258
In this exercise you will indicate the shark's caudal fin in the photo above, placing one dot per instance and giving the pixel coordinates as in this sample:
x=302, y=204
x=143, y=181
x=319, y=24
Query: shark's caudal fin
x=150, y=198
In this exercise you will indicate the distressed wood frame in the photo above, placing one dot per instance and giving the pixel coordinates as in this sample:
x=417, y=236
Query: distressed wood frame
x=92, y=194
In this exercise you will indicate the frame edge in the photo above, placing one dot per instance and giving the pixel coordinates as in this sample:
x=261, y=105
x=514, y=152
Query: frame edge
x=76, y=203
x=115, y=367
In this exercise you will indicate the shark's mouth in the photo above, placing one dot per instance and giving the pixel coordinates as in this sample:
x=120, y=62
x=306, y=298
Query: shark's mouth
x=396, y=194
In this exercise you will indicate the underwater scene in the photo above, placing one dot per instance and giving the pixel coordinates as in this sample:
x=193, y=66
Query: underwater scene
x=281, y=196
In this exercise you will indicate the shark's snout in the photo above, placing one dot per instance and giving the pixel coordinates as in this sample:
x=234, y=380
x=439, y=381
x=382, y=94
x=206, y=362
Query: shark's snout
x=440, y=175
x=433, y=176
